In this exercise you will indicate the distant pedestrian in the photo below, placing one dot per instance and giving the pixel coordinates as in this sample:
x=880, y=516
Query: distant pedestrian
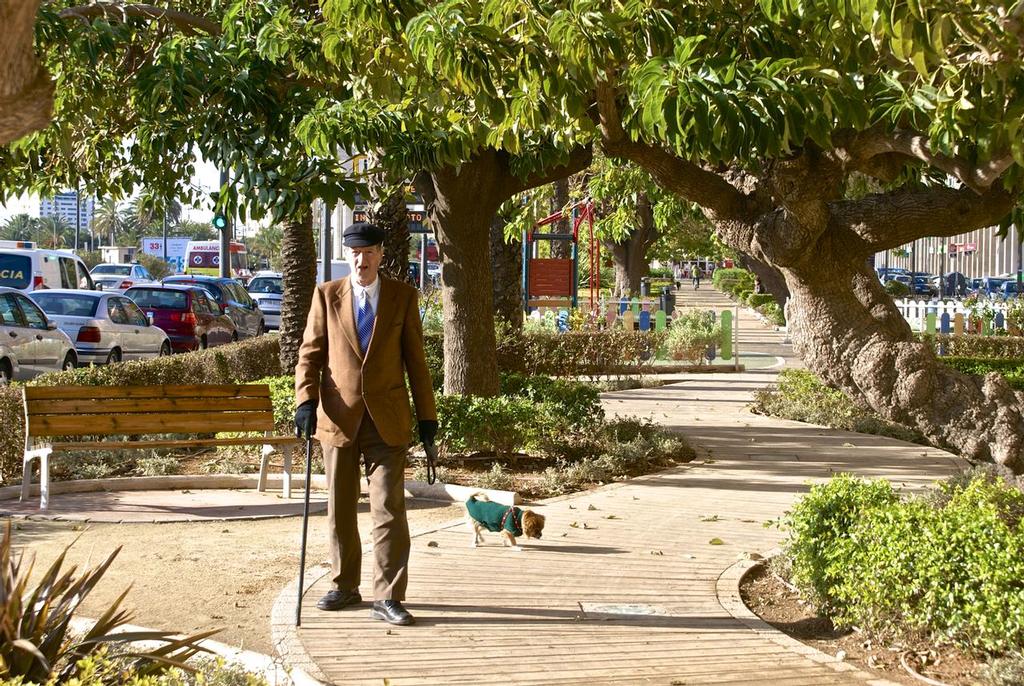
x=696, y=278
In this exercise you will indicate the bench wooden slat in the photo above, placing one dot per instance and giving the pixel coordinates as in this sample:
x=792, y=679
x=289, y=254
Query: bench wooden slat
x=192, y=422
x=138, y=406
x=199, y=442
x=165, y=391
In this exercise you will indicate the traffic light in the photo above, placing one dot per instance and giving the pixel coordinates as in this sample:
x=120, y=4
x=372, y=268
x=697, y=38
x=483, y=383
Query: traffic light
x=220, y=221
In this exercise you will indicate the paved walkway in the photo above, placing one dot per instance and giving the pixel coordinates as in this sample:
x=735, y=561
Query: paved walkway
x=625, y=586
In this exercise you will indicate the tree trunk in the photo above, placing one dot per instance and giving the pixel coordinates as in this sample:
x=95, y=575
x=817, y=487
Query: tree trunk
x=794, y=217
x=298, y=271
x=26, y=92
x=773, y=281
x=847, y=329
x=507, y=262
x=561, y=249
x=630, y=255
x=461, y=204
x=386, y=208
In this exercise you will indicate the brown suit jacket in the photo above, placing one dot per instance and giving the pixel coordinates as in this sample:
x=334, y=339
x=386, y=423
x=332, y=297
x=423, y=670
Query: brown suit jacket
x=332, y=368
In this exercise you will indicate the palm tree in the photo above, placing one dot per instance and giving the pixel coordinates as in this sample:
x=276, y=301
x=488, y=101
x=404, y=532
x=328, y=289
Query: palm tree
x=108, y=220
x=53, y=233
x=267, y=244
x=20, y=227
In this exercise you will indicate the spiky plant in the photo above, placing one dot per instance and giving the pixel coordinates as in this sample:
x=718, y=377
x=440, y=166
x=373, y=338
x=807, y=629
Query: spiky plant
x=36, y=643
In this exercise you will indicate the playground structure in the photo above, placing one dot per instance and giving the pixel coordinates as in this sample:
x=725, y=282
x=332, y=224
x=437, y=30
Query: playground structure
x=549, y=281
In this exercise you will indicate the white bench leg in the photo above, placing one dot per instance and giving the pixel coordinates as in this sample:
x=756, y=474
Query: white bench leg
x=286, y=483
x=44, y=480
x=268, y=450
x=44, y=475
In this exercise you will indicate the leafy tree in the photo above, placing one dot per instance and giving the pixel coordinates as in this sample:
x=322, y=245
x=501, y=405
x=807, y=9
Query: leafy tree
x=20, y=227
x=762, y=113
x=53, y=233
x=266, y=245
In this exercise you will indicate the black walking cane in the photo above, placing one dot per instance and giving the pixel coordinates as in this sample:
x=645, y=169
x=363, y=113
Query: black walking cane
x=305, y=525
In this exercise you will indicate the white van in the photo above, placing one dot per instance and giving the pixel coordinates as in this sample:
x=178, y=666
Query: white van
x=27, y=268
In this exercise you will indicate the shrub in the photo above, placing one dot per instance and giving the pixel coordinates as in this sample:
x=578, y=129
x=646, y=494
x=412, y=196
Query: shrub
x=952, y=571
x=897, y=289
x=497, y=478
x=691, y=334
x=757, y=299
x=1004, y=671
x=468, y=424
x=744, y=294
x=732, y=280
x=773, y=313
x=1002, y=347
x=799, y=395
x=563, y=404
x=1010, y=369
x=158, y=466
x=35, y=644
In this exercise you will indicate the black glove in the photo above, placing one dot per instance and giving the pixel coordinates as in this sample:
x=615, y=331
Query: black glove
x=305, y=419
x=428, y=431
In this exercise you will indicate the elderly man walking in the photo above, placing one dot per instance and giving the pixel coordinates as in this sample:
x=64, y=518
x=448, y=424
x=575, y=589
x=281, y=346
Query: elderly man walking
x=362, y=337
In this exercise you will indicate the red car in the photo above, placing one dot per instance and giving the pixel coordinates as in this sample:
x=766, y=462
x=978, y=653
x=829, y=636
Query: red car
x=191, y=318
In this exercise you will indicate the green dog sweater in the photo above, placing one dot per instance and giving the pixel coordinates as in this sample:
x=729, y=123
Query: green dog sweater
x=495, y=516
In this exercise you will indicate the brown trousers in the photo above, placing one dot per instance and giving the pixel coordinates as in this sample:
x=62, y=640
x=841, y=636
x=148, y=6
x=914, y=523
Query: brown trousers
x=386, y=468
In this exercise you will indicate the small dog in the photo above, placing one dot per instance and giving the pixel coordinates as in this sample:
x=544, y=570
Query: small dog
x=482, y=514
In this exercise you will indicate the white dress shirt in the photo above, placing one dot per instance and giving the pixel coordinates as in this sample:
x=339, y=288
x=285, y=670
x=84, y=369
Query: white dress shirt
x=372, y=292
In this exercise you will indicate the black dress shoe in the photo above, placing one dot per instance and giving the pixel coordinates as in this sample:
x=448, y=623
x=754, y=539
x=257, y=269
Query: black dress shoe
x=392, y=612
x=335, y=600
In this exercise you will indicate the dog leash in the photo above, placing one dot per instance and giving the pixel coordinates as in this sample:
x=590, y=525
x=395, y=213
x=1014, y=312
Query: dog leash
x=431, y=451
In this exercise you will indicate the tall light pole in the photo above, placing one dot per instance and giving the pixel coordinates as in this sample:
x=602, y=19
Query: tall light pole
x=225, y=232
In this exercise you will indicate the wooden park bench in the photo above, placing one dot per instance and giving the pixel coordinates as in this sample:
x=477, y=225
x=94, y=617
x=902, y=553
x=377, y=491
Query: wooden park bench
x=131, y=412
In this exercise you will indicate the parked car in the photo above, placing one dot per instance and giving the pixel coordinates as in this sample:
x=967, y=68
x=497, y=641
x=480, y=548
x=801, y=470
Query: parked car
x=26, y=268
x=30, y=344
x=266, y=289
x=119, y=277
x=991, y=285
x=106, y=327
x=923, y=286
x=232, y=299
x=192, y=320
x=1009, y=289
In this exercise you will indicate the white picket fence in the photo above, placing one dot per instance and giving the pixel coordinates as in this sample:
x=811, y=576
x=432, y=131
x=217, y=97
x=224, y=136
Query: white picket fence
x=916, y=312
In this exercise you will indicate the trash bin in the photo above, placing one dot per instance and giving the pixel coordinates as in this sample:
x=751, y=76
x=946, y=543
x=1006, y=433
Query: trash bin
x=668, y=302
x=645, y=287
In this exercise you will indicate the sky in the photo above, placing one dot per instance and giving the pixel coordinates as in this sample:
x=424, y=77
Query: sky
x=207, y=178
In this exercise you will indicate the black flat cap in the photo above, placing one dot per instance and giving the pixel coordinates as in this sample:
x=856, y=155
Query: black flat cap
x=362, y=235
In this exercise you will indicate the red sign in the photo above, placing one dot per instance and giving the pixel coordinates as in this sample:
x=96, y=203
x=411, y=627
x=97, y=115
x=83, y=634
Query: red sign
x=954, y=248
x=550, y=277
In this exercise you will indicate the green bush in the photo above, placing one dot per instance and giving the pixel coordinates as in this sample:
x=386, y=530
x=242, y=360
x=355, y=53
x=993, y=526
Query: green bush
x=897, y=289
x=773, y=313
x=755, y=300
x=469, y=424
x=691, y=334
x=571, y=405
x=1010, y=369
x=743, y=295
x=1003, y=347
x=953, y=571
x=732, y=280
x=799, y=395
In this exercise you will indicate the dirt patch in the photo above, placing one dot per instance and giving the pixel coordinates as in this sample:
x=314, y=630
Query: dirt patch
x=200, y=575
x=776, y=603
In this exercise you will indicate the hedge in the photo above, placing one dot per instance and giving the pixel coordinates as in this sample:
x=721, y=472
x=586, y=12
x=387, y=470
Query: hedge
x=1010, y=369
x=1006, y=347
x=242, y=362
x=732, y=280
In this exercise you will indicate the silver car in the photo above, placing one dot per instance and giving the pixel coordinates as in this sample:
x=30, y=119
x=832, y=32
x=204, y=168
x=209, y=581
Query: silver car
x=119, y=277
x=266, y=289
x=30, y=344
x=105, y=327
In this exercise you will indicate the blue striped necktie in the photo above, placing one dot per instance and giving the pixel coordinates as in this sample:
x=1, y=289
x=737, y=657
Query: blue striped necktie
x=364, y=321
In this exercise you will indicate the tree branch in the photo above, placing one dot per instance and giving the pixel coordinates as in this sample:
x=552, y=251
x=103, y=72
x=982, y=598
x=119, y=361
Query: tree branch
x=721, y=200
x=189, y=23
x=870, y=144
x=889, y=220
x=26, y=92
x=579, y=159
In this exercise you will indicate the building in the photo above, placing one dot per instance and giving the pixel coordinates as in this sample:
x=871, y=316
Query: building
x=975, y=254
x=63, y=205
